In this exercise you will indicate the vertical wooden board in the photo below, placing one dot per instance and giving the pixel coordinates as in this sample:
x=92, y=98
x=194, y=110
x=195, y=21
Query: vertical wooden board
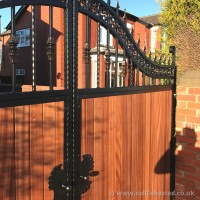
x=137, y=123
x=142, y=144
x=90, y=126
x=98, y=146
x=159, y=134
x=89, y=141
x=135, y=114
x=83, y=135
x=146, y=147
x=59, y=132
x=162, y=150
x=36, y=152
x=22, y=153
x=126, y=145
x=168, y=139
x=134, y=120
x=155, y=130
x=7, y=155
x=105, y=145
x=83, y=126
x=111, y=150
x=49, y=144
x=117, y=144
x=160, y=146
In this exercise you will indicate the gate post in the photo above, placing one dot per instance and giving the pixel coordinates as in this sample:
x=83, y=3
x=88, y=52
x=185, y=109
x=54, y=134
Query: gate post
x=172, y=50
x=72, y=135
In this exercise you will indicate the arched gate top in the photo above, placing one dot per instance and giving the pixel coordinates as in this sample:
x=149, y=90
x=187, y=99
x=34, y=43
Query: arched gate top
x=107, y=17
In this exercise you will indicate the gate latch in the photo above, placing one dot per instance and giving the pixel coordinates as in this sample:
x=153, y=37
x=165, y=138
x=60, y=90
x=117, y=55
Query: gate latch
x=86, y=169
x=57, y=179
x=57, y=183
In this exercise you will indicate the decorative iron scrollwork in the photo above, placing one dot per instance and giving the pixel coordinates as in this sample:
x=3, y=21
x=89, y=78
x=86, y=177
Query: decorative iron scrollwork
x=110, y=19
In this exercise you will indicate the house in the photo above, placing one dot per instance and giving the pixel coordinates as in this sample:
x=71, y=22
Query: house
x=155, y=31
x=144, y=30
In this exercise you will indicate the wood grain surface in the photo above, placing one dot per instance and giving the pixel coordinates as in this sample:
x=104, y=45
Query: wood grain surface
x=129, y=137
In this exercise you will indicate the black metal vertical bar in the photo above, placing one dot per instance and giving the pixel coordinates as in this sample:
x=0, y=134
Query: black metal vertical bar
x=87, y=52
x=73, y=140
x=107, y=54
x=116, y=63
x=124, y=53
x=98, y=54
x=51, y=48
x=131, y=73
x=137, y=76
x=33, y=50
x=50, y=34
x=72, y=134
x=107, y=63
x=143, y=78
x=13, y=33
x=124, y=68
x=76, y=137
x=116, y=50
x=173, y=133
x=13, y=20
x=68, y=157
x=67, y=36
x=13, y=49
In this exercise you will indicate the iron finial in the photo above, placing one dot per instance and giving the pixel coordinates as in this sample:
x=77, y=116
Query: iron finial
x=150, y=53
x=124, y=14
x=138, y=41
x=145, y=47
x=117, y=5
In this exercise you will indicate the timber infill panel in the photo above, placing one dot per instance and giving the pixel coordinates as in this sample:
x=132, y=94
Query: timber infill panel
x=129, y=138
x=29, y=153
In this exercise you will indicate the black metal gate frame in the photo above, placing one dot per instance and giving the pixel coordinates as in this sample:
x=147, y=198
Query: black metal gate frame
x=72, y=96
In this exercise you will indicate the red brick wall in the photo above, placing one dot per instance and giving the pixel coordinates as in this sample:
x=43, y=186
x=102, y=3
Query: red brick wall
x=188, y=108
x=188, y=143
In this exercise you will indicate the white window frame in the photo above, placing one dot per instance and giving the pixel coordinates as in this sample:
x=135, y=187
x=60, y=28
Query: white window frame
x=154, y=31
x=130, y=27
x=103, y=37
x=23, y=37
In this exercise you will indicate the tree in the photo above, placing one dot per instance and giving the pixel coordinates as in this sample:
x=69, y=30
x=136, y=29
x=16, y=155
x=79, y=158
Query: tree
x=180, y=21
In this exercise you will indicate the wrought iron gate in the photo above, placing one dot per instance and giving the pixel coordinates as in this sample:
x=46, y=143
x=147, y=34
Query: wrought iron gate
x=130, y=72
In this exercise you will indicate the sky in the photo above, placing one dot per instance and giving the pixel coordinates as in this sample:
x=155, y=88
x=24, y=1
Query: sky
x=138, y=8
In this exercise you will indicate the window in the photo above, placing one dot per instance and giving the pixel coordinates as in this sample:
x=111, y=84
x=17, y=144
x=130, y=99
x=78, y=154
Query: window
x=119, y=75
x=130, y=27
x=163, y=37
x=103, y=36
x=23, y=37
x=153, y=38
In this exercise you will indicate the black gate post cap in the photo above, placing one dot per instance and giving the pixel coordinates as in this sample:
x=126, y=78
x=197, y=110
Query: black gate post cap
x=172, y=50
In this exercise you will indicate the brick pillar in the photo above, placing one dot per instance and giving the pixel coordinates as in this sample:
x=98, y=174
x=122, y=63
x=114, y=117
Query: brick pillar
x=188, y=165
x=188, y=108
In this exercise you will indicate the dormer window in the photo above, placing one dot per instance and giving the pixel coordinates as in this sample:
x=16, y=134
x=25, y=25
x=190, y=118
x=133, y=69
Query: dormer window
x=23, y=37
